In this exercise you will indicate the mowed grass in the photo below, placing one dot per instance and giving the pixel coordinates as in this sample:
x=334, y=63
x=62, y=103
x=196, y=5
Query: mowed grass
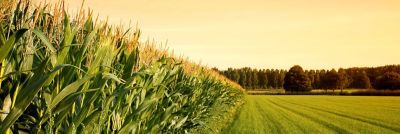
x=318, y=114
x=261, y=91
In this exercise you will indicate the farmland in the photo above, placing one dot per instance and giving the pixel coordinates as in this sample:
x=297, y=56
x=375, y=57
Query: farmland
x=346, y=92
x=78, y=73
x=318, y=114
x=75, y=74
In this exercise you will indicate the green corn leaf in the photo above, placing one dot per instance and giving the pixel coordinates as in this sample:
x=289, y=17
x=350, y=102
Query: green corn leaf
x=105, y=111
x=130, y=64
x=26, y=95
x=90, y=97
x=181, y=122
x=45, y=40
x=9, y=44
x=129, y=128
x=113, y=77
x=91, y=118
x=89, y=23
x=6, y=107
x=145, y=105
x=167, y=113
x=2, y=36
x=85, y=45
x=71, y=88
x=69, y=100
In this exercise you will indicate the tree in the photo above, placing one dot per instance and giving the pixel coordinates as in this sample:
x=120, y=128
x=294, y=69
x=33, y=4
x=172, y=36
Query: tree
x=357, y=77
x=271, y=78
x=229, y=73
x=249, y=76
x=330, y=80
x=296, y=80
x=255, y=80
x=344, y=80
x=390, y=80
x=235, y=76
x=242, y=78
x=318, y=79
x=311, y=77
x=281, y=78
x=263, y=80
x=274, y=78
x=361, y=81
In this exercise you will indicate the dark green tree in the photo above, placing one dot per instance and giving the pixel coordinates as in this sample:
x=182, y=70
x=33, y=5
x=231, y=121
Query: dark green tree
x=390, y=80
x=344, y=79
x=281, y=78
x=330, y=80
x=249, y=76
x=235, y=75
x=269, y=78
x=361, y=81
x=273, y=80
x=296, y=80
x=255, y=80
x=242, y=78
x=263, y=80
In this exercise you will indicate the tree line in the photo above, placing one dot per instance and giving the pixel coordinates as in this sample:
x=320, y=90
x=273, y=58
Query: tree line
x=383, y=77
x=256, y=78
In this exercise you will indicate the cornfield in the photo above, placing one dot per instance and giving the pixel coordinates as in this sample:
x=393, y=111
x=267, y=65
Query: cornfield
x=80, y=75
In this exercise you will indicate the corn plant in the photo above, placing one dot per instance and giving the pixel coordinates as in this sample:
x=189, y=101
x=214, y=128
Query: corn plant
x=63, y=75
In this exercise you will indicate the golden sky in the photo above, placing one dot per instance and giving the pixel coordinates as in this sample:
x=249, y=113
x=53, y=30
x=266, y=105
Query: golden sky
x=316, y=34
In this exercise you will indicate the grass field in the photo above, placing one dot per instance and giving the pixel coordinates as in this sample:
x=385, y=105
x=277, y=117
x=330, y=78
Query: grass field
x=272, y=91
x=318, y=114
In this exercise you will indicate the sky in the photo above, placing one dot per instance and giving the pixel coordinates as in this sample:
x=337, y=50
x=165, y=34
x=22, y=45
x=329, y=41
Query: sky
x=316, y=34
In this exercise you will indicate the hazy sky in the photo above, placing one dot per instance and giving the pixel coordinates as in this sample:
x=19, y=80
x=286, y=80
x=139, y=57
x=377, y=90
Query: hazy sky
x=266, y=33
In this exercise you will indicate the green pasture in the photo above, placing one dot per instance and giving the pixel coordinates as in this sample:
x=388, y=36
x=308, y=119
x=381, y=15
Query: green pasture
x=318, y=114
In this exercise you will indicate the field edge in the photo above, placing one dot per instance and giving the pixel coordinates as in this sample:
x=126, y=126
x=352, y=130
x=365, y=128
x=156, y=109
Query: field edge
x=221, y=115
